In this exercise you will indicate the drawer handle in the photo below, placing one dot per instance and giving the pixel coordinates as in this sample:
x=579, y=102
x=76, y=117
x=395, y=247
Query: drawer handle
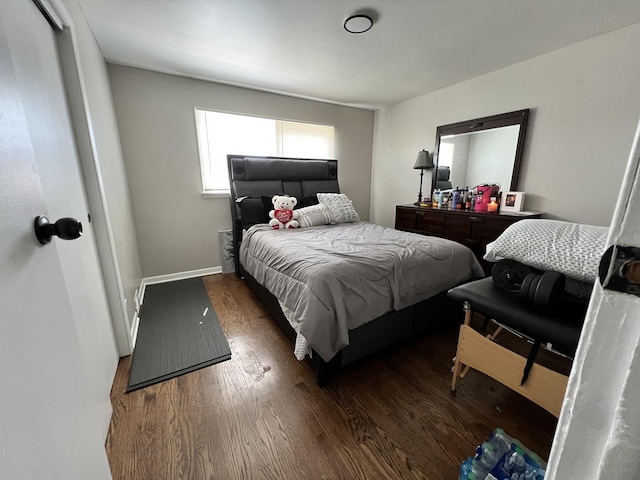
x=420, y=214
x=475, y=219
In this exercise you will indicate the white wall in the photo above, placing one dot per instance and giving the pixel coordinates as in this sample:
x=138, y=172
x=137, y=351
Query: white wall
x=492, y=151
x=116, y=224
x=177, y=228
x=459, y=161
x=585, y=106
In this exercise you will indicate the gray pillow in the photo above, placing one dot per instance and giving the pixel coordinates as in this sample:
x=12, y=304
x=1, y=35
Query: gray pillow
x=340, y=207
x=314, y=215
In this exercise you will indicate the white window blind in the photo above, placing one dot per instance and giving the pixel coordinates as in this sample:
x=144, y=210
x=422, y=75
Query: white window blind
x=445, y=157
x=220, y=134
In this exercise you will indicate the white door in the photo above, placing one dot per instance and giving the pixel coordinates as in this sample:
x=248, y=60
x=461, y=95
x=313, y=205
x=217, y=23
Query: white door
x=56, y=351
x=598, y=433
x=39, y=79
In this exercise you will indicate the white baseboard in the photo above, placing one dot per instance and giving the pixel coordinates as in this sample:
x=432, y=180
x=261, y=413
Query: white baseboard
x=172, y=277
x=135, y=322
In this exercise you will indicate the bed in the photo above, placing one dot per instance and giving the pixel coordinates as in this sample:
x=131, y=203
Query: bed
x=341, y=289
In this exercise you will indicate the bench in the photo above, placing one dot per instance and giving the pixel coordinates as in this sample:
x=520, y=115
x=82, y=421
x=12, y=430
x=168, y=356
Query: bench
x=559, y=327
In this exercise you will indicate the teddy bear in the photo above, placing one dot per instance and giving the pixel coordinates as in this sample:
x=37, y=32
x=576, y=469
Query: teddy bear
x=284, y=216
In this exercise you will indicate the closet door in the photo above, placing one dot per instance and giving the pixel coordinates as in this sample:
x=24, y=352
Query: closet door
x=54, y=403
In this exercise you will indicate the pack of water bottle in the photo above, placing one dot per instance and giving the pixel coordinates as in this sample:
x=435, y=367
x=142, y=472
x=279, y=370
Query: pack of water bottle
x=503, y=458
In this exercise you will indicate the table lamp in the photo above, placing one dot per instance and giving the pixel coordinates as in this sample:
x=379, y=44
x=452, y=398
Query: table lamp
x=423, y=161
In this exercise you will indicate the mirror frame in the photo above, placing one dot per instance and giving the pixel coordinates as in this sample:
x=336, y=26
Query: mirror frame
x=519, y=117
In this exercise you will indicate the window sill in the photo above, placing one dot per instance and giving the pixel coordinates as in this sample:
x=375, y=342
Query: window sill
x=220, y=194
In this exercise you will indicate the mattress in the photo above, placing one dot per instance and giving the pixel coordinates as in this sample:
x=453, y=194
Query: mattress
x=335, y=278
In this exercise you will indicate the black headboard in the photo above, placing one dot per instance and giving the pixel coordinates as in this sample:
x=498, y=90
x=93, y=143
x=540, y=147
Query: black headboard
x=252, y=177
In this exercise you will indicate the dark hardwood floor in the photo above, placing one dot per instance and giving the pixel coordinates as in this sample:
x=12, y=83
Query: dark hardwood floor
x=261, y=415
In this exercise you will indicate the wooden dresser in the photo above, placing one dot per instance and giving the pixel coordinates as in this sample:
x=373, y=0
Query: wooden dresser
x=472, y=229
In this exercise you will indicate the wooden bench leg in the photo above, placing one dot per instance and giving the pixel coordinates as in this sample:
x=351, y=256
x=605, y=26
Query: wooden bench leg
x=457, y=366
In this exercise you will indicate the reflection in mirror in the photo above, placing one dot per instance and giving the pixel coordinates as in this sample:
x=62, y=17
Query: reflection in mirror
x=480, y=157
x=483, y=150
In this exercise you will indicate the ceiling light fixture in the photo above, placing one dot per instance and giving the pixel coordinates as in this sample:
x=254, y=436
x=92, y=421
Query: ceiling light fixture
x=358, y=23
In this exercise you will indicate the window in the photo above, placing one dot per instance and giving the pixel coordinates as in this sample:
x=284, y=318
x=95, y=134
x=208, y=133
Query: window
x=445, y=157
x=220, y=134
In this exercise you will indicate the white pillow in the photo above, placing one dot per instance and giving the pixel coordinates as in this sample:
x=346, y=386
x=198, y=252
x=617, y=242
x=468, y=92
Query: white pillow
x=314, y=215
x=340, y=206
x=570, y=248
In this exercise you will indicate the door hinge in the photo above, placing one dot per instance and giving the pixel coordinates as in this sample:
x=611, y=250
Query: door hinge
x=619, y=269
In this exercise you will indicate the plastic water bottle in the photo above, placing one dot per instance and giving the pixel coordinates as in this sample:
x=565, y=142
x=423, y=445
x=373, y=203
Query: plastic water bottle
x=472, y=470
x=479, y=466
x=505, y=444
x=533, y=473
x=488, y=457
x=501, y=441
x=465, y=469
x=515, y=465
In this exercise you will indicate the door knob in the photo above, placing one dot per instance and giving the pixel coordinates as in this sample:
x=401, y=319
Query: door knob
x=66, y=228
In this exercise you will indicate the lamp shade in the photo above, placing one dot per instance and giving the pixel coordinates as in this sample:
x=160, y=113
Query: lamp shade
x=424, y=160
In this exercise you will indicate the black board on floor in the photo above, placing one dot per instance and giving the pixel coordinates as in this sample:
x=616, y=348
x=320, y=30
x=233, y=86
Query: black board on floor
x=179, y=332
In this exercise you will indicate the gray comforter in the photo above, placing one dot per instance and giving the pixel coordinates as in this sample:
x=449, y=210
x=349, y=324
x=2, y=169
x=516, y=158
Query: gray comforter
x=337, y=277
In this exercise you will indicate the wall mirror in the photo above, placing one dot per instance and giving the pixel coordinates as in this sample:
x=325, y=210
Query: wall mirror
x=483, y=150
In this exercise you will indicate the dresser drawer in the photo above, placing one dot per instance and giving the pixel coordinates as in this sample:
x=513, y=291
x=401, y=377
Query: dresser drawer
x=458, y=228
x=490, y=229
x=405, y=218
x=431, y=223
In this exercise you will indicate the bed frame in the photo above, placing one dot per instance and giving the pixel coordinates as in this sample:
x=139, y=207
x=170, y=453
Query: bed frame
x=251, y=177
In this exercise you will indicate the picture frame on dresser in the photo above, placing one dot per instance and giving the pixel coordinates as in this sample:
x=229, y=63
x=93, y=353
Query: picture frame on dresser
x=512, y=201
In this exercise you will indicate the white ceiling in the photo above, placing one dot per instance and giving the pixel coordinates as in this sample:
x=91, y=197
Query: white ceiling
x=299, y=47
